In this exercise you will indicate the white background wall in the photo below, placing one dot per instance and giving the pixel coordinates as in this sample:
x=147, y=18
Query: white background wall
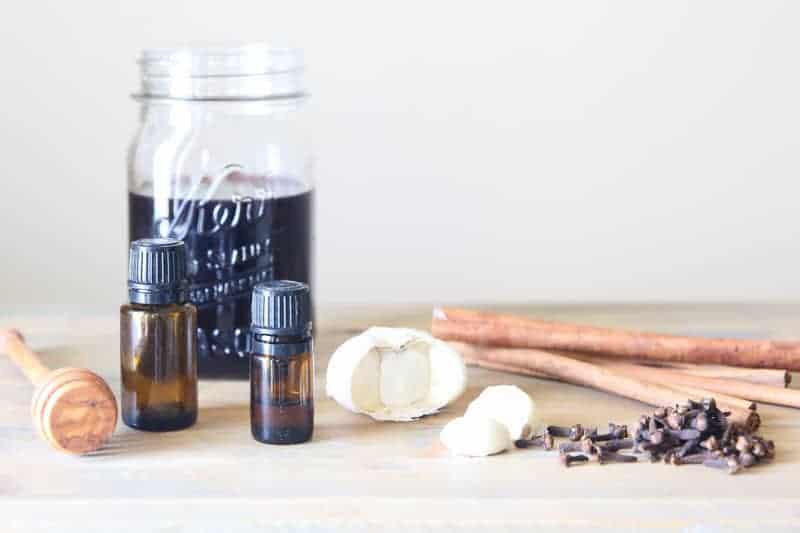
x=524, y=151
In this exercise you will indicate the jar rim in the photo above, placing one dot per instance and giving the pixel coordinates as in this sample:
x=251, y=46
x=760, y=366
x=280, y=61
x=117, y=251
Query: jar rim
x=222, y=72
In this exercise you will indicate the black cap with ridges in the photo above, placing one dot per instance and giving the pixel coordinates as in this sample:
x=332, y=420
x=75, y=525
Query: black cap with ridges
x=157, y=272
x=281, y=307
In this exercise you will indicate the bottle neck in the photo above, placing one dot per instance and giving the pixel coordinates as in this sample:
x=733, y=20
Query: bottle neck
x=281, y=345
x=281, y=339
x=147, y=295
x=154, y=308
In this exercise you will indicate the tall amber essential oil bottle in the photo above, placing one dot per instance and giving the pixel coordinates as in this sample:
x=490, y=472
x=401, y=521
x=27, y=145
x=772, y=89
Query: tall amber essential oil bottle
x=281, y=363
x=158, y=329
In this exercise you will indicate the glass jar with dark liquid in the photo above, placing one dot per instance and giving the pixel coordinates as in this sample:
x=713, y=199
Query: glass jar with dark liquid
x=221, y=161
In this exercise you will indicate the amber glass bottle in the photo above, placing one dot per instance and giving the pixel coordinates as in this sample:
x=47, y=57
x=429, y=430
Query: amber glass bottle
x=157, y=339
x=281, y=364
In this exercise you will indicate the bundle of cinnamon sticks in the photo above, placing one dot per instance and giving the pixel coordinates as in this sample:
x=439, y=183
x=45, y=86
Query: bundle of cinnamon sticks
x=653, y=368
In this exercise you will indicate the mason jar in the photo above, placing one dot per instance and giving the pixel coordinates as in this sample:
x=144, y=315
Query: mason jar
x=221, y=160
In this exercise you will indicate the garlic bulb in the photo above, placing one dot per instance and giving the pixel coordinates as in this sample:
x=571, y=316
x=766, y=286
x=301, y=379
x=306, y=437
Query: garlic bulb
x=475, y=436
x=395, y=374
x=509, y=405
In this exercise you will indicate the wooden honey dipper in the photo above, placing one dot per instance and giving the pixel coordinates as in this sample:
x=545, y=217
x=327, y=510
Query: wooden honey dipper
x=73, y=409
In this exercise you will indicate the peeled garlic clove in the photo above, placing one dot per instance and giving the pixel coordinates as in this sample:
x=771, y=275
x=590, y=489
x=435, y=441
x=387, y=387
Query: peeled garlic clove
x=475, y=436
x=509, y=405
x=395, y=374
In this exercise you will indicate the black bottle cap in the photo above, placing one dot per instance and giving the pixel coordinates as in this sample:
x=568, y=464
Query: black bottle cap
x=281, y=308
x=157, y=272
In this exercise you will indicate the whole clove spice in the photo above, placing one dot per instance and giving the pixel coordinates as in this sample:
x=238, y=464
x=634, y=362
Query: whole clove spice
x=747, y=459
x=731, y=464
x=686, y=447
x=545, y=441
x=618, y=444
x=558, y=431
x=568, y=460
x=700, y=422
x=584, y=445
x=614, y=432
x=576, y=432
x=693, y=459
x=605, y=456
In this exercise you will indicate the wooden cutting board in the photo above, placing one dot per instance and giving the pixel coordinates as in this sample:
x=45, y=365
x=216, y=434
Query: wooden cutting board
x=362, y=475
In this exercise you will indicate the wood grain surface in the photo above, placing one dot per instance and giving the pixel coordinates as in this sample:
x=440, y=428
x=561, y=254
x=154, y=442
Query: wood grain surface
x=362, y=475
x=74, y=410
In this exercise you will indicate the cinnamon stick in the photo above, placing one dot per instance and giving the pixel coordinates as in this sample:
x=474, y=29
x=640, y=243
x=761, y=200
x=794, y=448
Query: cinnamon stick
x=691, y=392
x=484, y=328
x=749, y=391
x=592, y=375
x=679, y=381
x=679, y=378
x=761, y=376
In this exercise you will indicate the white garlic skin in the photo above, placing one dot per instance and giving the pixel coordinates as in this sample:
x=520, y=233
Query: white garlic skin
x=509, y=405
x=395, y=374
x=475, y=436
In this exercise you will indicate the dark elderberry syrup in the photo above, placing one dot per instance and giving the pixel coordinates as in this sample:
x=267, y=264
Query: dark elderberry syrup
x=232, y=245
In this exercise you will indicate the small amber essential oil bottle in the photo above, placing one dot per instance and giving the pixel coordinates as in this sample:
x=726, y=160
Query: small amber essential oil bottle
x=281, y=363
x=157, y=339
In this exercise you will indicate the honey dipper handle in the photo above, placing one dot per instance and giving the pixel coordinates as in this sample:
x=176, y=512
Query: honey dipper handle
x=12, y=343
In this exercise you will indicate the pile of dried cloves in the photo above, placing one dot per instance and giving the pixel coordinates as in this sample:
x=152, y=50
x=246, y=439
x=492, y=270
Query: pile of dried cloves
x=699, y=433
x=692, y=433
